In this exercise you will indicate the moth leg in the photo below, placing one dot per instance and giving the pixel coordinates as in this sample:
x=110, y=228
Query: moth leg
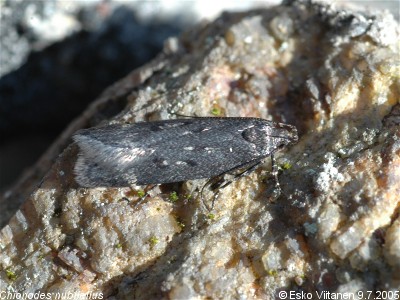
x=215, y=183
x=275, y=169
x=209, y=182
x=277, y=190
x=218, y=183
x=146, y=193
x=236, y=177
x=241, y=174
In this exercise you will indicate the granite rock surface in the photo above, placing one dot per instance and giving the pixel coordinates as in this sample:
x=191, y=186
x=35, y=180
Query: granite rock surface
x=334, y=74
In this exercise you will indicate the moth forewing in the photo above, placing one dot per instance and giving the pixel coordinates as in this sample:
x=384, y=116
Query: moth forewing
x=175, y=150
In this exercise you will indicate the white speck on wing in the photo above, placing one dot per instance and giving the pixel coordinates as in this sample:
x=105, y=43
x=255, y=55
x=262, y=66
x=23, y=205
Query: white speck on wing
x=125, y=157
x=209, y=149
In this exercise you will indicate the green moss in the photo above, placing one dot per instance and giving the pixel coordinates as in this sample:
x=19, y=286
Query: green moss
x=141, y=193
x=286, y=166
x=153, y=241
x=216, y=111
x=173, y=197
x=11, y=275
x=211, y=216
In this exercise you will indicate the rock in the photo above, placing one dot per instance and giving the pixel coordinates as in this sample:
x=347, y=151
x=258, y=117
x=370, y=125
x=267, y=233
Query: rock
x=335, y=226
x=55, y=58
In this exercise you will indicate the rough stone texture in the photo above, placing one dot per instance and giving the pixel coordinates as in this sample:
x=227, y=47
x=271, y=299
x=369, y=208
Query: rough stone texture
x=335, y=227
x=76, y=49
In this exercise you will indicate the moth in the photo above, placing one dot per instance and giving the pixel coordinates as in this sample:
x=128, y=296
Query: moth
x=175, y=150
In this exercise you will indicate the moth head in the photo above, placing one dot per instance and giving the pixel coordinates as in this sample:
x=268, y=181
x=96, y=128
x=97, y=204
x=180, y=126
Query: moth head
x=271, y=136
x=285, y=133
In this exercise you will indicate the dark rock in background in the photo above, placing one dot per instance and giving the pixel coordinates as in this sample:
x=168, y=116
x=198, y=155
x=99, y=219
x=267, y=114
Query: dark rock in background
x=59, y=79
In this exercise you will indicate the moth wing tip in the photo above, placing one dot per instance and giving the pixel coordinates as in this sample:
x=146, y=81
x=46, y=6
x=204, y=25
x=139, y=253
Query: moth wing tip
x=82, y=175
x=91, y=175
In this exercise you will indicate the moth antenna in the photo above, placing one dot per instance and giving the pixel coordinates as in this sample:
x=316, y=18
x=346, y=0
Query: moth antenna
x=180, y=115
x=185, y=116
